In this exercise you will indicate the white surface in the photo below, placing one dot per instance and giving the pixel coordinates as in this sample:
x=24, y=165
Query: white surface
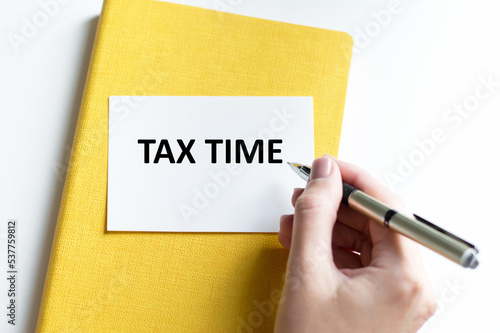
x=403, y=79
x=167, y=190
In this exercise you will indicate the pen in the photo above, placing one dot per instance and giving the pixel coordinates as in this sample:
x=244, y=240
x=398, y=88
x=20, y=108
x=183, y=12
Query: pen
x=416, y=228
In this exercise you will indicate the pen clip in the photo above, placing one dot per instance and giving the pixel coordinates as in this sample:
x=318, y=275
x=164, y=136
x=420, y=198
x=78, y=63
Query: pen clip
x=435, y=227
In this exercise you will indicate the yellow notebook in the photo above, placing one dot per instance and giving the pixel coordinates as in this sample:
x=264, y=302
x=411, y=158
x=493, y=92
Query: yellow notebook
x=100, y=281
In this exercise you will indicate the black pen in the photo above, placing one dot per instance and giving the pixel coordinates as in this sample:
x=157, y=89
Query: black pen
x=415, y=228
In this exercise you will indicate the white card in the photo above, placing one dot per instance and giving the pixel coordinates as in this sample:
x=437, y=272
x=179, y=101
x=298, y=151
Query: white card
x=168, y=171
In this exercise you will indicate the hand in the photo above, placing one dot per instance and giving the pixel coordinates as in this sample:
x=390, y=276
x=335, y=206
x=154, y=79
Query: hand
x=345, y=272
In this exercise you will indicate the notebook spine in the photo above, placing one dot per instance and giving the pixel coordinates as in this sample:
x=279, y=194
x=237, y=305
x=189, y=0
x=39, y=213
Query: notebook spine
x=71, y=172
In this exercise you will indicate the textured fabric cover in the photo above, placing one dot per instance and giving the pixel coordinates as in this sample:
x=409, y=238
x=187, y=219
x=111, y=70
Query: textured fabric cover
x=100, y=281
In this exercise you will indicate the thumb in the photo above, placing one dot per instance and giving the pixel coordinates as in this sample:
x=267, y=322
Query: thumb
x=315, y=215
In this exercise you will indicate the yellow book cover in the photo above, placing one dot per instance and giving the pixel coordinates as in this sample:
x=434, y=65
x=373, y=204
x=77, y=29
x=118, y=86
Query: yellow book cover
x=99, y=281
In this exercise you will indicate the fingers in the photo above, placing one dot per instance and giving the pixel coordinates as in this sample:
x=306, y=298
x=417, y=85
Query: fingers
x=387, y=245
x=343, y=236
x=296, y=193
x=285, y=233
x=365, y=182
x=377, y=244
x=353, y=219
x=345, y=214
x=346, y=259
x=350, y=238
x=315, y=214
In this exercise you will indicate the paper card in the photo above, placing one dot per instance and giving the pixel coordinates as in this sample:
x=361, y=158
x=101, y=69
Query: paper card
x=205, y=164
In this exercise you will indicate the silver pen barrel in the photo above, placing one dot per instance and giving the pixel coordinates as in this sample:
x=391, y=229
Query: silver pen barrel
x=418, y=230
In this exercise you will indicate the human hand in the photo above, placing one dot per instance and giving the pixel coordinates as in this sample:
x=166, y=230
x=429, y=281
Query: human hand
x=330, y=288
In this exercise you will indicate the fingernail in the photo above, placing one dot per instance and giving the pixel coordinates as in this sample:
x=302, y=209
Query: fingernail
x=282, y=219
x=321, y=168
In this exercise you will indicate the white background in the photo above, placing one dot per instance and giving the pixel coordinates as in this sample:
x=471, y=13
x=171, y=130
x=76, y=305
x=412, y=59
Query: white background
x=404, y=78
